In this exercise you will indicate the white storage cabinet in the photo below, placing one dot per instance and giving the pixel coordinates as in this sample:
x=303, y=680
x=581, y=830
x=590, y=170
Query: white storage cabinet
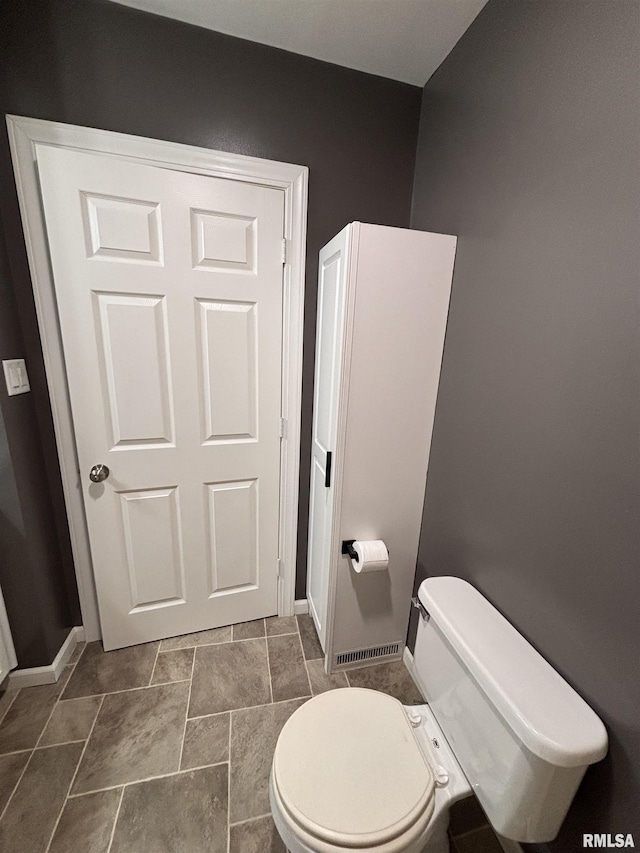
x=383, y=298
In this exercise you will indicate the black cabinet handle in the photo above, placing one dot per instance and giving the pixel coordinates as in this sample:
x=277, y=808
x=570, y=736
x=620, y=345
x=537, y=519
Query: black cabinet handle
x=327, y=471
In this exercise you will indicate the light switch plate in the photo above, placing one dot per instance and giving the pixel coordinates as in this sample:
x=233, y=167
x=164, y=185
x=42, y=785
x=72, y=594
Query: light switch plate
x=15, y=375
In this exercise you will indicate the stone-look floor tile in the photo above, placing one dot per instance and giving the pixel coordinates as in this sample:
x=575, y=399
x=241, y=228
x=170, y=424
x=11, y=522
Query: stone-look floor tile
x=255, y=836
x=26, y=718
x=86, y=823
x=310, y=642
x=11, y=766
x=286, y=663
x=71, y=720
x=137, y=735
x=105, y=672
x=206, y=741
x=228, y=676
x=254, y=732
x=392, y=678
x=77, y=652
x=173, y=666
x=6, y=700
x=479, y=841
x=184, y=813
x=281, y=625
x=201, y=638
x=248, y=630
x=34, y=808
x=320, y=681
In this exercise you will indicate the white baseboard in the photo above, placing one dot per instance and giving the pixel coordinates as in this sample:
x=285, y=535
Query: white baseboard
x=300, y=606
x=407, y=659
x=37, y=675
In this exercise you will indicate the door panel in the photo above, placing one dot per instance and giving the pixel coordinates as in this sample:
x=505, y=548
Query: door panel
x=227, y=338
x=233, y=531
x=155, y=558
x=169, y=289
x=135, y=419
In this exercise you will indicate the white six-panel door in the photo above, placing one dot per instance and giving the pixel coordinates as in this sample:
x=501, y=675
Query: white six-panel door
x=332, y=294
x=169, y=290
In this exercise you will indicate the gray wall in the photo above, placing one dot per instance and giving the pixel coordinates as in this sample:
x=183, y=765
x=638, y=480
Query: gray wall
x=36, y=574
x=98, y=64
x=529, y=151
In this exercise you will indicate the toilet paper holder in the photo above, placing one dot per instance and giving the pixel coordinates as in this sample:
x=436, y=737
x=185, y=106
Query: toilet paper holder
x=349, y=550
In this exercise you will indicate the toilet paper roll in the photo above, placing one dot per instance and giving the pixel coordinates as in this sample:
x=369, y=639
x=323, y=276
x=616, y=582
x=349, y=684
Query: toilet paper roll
x=372, y=556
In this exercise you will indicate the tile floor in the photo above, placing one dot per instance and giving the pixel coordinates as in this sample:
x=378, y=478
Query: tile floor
x=164, y=747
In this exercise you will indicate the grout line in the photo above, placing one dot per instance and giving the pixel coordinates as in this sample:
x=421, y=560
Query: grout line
x=306, y=670
x=269, y=670
x=115, y=820
x=55, y=826
x=226, y=642
x=191, y=769
x=306, y=666
x=250, y=819
x=10, y=703
x=153, y=668
x=229, y=785
x=164, y=683
x=64, y=743
x=93, y=725
x=55, y=705
x=186, y=713
x=17, y=751
x=140, y=781
x=76, y=662
x=217, y=713
x=73, y=778
x=253, y=707
x=15, y=787
x=281, y=634
x=128, y=689
x=195, y=644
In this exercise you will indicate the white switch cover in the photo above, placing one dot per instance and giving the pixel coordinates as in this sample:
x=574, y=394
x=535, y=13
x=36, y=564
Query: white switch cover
x=15, y=374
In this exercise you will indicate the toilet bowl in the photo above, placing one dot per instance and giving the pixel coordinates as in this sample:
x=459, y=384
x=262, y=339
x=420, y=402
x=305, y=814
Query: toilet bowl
x=337, y=785
x=355, y=770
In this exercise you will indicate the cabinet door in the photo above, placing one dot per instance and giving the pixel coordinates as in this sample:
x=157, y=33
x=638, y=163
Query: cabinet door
x=332, y=291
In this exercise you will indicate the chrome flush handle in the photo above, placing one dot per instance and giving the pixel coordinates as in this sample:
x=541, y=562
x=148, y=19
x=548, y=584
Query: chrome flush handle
x=98, y=473
x=415, y=602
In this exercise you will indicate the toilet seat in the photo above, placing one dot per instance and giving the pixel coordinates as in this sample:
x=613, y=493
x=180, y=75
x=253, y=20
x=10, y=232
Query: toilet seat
x=348, y=773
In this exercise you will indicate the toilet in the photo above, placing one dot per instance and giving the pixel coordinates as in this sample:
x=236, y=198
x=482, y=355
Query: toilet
x=355, y=770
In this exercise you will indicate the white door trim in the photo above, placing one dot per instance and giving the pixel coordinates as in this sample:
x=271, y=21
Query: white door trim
x=8, y=660
x=24, y=133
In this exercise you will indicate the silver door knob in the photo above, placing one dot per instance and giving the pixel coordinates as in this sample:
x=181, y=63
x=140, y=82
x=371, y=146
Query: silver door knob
x=98, y=473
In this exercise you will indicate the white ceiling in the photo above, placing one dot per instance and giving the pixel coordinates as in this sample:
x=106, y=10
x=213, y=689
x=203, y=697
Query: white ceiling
x=401, y=39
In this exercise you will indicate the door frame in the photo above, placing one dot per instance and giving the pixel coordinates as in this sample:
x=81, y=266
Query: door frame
x=24, y=135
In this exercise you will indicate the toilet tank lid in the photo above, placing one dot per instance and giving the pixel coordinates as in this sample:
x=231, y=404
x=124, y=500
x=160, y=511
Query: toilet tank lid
x=541, y=709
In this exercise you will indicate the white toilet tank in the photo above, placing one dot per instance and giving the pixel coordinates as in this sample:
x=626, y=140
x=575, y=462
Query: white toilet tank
x=522, y=735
